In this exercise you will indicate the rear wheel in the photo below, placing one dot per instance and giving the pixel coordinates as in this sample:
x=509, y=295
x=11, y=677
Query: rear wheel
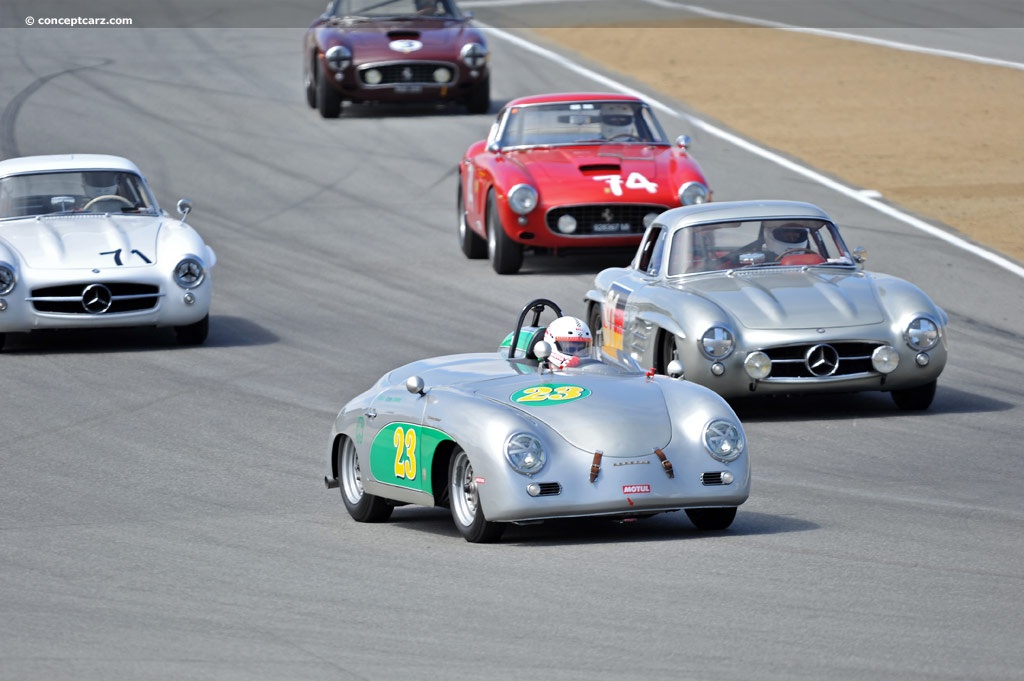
x=915, y=399
x=473, y=247
x=328, y=100
x=506, y=255
x=363, y=507
x=465, y=502
x=711, y=518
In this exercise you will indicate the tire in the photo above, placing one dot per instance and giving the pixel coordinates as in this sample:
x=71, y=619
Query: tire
x=363, y=507
x=309, y=84
x=506, y=255
x=594, y=322
x=710, y=519
x=480, y=100
x=328, y=100
x=465, y=502
x=915, y=399
x=3, y=340
x=667, y=351
x=193, y=334
x=473, y=246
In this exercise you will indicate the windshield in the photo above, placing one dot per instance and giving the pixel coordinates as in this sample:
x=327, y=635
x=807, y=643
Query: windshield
x=443, y=9
x=756, y=243
x=581, y=123
x=90, y=191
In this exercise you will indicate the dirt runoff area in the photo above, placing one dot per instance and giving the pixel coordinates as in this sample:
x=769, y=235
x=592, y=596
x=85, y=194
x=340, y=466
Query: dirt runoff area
x=941, y=137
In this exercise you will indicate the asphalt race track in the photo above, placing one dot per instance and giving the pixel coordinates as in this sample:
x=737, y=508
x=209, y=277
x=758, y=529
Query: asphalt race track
x=162, y=510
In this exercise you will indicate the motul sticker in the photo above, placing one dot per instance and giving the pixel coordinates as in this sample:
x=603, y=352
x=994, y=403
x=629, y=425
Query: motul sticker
x=636, y=489
x=480, y=480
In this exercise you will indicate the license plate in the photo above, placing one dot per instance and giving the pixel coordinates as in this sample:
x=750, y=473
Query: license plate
x=611, y=227
x=409, y=89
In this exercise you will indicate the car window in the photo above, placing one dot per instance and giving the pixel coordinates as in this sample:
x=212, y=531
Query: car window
x=756, y=243
x=649, y=254
x=391, y=8
x=581, y=123
x=100, y=191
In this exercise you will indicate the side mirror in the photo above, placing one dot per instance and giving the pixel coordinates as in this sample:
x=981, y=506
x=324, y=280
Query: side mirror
x=414, y=384
x=675, y=369
x=542, y=349
x=184, y=208
x=751, y=259
x=860, y=254
x=684, y=141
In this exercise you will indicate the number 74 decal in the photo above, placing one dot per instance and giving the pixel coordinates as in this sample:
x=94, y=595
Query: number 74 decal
x=635, y=180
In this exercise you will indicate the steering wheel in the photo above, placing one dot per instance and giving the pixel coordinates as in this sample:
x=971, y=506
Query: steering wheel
x=624, y=135
x=108, y=197
x=793, y=251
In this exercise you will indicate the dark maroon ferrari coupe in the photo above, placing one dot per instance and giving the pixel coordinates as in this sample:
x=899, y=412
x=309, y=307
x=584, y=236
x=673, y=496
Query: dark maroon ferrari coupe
x=395, y=51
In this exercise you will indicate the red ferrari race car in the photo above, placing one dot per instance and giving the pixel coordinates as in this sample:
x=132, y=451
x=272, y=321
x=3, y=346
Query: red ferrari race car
x=560, y=172
x=395, y=51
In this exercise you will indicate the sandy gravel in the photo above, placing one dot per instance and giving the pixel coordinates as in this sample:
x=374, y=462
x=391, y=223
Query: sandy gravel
x=940, y=137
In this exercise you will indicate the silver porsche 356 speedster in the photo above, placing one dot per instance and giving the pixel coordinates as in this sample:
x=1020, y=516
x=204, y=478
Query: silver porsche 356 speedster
x=764, y=297
x=509, y=437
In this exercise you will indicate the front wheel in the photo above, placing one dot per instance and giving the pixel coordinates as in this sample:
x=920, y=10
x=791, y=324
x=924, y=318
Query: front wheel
x=915, y=399
x=711, y=518
x=328, y=100
x=480, y=100
x=667, y=351
x=465, y=502
x=193, y=334
x=506, y=255
x=363, y=507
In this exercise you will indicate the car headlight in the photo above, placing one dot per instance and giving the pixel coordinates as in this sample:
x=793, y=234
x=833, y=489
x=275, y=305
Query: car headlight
x=922, y=334
x=8, y=279
x=717, y=342
x=189, y=273
x=338, y=57
x=724, y=440
x=522, y=198
x=692, y=193
x=525, y=453
x=474, y=55
x=758, y=365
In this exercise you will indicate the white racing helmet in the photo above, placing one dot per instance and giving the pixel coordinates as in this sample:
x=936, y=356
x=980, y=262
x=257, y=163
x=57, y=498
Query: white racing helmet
x=570, y=339
x=782, y=238
x=616, y=119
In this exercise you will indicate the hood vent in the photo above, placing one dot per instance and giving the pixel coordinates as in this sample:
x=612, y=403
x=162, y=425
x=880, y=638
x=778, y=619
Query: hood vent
x=600, y=168
x=403, y=35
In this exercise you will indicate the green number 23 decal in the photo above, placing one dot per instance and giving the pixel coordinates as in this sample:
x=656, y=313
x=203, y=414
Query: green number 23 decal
x=405, y=454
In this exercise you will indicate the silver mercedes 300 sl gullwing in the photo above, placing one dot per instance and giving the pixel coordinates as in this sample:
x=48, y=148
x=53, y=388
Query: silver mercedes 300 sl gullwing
x=83, y=244
x=764, y=297
x=538, y=430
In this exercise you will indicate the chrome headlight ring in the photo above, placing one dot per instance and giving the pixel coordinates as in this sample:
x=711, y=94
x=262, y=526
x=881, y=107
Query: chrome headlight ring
x=338, y=57
x=189, y=273
x=717, y=343
x=474, y=55
x=8, y=278
x=922, y=333
x=522, y=198
x=724, y=440
x=693, y=193
x=525, y=453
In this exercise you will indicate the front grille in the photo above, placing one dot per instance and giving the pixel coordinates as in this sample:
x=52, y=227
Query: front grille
x=68, y=298
x=604, y=219
x=550, y=489
x=791, y=361
x=408, y=73
x=714, y=478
